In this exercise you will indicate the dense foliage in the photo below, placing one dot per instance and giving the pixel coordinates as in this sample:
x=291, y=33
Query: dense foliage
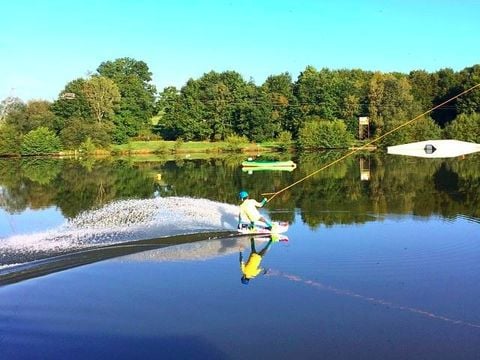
x=119, y=102
x=10, y=139
x=137, y=100
x=323, y=134
x=40, y=141
x=465, y=127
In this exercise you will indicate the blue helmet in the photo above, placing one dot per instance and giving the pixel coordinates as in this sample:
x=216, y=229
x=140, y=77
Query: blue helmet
x=244, y=280
x=243, y=194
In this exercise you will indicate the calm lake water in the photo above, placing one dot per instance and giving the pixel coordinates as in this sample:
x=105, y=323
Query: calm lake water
x=139, y=258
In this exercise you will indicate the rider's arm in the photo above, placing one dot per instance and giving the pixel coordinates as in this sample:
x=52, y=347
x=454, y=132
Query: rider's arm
x=260, y=204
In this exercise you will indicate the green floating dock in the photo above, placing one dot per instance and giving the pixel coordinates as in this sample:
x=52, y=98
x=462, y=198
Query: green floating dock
x=259, y=165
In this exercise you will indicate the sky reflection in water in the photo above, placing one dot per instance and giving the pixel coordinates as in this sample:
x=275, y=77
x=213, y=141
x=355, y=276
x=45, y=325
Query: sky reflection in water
x=391, y=288
x=372, y=284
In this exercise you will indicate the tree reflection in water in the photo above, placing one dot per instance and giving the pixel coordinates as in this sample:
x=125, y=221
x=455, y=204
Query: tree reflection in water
x=338, y=195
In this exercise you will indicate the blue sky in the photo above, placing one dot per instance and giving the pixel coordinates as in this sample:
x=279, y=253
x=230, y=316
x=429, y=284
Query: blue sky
x=46, y=44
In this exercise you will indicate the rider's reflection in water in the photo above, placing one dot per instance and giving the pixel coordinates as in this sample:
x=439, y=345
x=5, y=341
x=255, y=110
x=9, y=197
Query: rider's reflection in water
x=251, y=268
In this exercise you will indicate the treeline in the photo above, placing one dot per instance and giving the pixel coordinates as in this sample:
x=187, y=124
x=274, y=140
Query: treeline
x=320, y=109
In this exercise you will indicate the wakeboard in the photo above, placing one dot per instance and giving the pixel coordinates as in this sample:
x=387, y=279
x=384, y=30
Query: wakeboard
x=278, y=227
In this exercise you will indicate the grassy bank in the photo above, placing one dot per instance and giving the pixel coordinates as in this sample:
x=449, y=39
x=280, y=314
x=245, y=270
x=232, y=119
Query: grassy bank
x=185, y=149
x=180, y=147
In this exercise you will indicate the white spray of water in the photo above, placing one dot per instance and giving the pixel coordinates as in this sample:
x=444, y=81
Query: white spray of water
x=129, y=220
x=8, y=266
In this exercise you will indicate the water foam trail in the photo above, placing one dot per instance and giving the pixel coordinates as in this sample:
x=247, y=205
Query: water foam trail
x=121, y=221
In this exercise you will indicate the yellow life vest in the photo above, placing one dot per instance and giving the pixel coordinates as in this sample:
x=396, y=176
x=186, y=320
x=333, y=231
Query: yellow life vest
x=252, y=267
x=248, y=210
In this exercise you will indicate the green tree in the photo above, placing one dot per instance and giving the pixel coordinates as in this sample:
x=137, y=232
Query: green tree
x=137, y=104
x=235, y=143
x=425, y=129
x=448, y=85
x=222, y=95
x=469, y=103
x=102, y=95
x=312, y=89
x=87, y=147
x=284, y=140
x=72, y=102
x=181, y=114
x=324, y=134
x=252, y=116
x=32, y=115
x=166, y=100
x=79, y=130
x=352, y=97
x=332, y=94
x=424, y=88
x=420, y=130
x=390, y=101
x=208, y=108
x=10, y=139
x=15, y=116
x=278, y=90
x=39, y=113
x=465, y=127
x=40, y=141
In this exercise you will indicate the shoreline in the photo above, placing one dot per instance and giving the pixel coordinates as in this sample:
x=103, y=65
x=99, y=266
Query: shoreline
x=171, y=148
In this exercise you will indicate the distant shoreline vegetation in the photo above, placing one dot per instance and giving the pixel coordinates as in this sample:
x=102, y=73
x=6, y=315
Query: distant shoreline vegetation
x=118, y=110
